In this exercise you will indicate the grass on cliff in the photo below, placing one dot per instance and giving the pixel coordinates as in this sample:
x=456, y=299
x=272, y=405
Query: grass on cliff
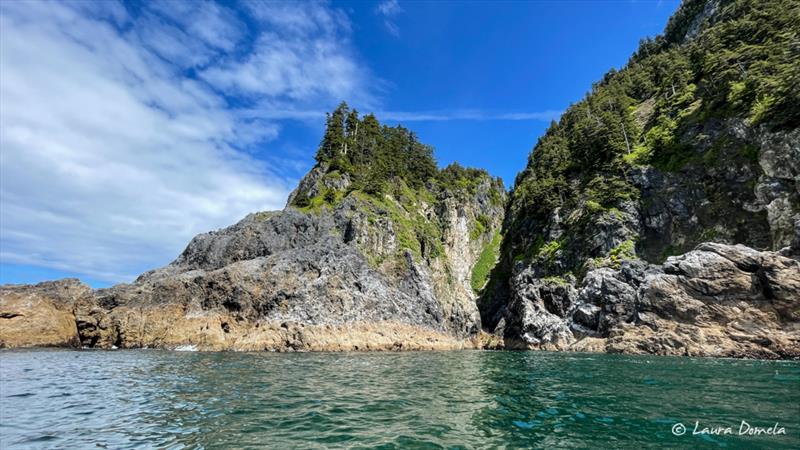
x=485, y=264
x=415, y=232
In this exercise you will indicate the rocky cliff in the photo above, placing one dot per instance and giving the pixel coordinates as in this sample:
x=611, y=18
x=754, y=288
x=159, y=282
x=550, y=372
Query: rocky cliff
x=338, y=269
x=662, y=213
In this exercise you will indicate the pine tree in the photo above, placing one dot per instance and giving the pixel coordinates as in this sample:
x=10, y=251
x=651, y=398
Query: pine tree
x=333, y=142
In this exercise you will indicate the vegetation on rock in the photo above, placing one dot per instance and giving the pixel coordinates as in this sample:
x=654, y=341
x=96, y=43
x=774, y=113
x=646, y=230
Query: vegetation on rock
x=375, y=156
x=485, y=264
x=716, y=60
x=394, y=175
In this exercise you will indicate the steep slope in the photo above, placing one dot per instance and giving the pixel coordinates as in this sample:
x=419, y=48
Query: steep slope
x=377, y=266
x=695, y=140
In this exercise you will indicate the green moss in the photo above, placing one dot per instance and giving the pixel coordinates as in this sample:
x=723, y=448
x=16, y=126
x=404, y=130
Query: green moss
x=494, y=197
x=548, y=250
x=593, y=206
x=762, y=108
x=481, y=224
x=556, y=280
x=313, y=204
x=415, y=232
x=625, y=250
x=486, y=261
x=640, y=155
x=608, y=191
x=477, y=230
x=528, y=251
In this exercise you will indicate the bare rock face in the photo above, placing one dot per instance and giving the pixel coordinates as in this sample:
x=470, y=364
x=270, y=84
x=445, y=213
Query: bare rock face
x=348, y=275
x=41, y=315
x=717, y=300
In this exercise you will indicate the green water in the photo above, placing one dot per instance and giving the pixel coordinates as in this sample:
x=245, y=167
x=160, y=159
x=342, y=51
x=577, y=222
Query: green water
x=469, y=399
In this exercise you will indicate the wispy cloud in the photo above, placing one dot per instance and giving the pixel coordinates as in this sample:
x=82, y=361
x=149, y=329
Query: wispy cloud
x=412, y=116
x=389, y=9
x=124, y=133
x=467, y=115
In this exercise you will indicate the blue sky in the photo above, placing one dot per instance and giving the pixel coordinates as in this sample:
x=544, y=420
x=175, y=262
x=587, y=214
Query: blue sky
x=127, y=128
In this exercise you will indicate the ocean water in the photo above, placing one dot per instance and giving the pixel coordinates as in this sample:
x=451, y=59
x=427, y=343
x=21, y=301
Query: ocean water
x=468, y=399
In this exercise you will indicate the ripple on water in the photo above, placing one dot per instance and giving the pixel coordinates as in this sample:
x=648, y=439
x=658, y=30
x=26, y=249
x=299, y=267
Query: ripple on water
x=453, y=399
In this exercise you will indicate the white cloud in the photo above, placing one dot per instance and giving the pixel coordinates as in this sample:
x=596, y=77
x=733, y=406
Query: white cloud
x=411, y=116
x=303, y=61
x=389, y=9
x=436, y=116
x=289, y=68
x=114, y=155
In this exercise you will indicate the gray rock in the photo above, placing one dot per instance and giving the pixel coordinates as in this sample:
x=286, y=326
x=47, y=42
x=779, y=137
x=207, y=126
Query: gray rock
x=334, y=267
x=717, y=300
x=587, y=316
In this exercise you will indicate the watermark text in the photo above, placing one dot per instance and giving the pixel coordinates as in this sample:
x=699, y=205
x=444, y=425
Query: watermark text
x=742, y=429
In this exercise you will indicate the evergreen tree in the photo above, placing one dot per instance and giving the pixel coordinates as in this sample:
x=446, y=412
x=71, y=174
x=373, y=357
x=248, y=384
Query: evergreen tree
x=376, y=156
x=333, y=142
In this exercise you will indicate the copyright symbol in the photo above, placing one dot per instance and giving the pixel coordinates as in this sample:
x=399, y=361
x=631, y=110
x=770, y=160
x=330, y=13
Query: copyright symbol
x=678, y=429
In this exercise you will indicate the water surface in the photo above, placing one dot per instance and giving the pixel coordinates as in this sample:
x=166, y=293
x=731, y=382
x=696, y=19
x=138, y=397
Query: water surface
x=469, y=399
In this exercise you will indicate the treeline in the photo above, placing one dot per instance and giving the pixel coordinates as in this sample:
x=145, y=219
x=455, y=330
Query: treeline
x=375, y=156
x=742, y=61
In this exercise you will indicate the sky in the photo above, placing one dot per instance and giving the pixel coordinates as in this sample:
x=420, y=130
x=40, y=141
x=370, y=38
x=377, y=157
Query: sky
x=127, y=128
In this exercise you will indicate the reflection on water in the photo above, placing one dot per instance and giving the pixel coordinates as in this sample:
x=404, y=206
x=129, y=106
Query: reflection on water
x=470, y=399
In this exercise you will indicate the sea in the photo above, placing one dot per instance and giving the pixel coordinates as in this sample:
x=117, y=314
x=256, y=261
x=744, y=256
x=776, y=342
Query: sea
x=119, y=399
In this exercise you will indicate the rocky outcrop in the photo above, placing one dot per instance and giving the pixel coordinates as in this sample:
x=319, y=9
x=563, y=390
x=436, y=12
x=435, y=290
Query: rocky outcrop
x=717, y=300
x=41, y=315
x=630, y=209
x=723, y=196
x=352, y=274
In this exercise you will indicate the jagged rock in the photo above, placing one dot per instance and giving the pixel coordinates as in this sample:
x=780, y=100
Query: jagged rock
x=615, y=298
x=587, y=316
x=338, y=277
x=536, y=328
x=535, y=317
x=717, y=300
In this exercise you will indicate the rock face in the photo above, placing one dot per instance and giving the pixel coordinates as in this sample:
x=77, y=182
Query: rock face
x=41, y=315
x=341, y=276
x=717, y=300
x=661, y=214
x=725, y=198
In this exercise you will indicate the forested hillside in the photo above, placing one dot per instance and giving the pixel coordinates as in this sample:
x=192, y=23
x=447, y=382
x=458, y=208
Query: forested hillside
x=716, y=61
x=375, y=157
x=694, y=140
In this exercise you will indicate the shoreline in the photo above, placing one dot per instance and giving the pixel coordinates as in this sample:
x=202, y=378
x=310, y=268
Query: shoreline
x=467, y=345
x=66, y=319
